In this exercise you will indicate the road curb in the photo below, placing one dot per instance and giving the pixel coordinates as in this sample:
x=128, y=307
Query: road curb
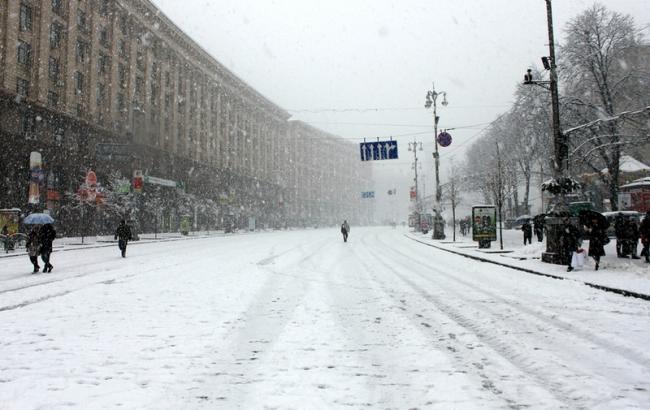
x=622, y=292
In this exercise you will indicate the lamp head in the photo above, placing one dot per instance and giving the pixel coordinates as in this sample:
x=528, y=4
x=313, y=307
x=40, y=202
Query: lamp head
x=444, y=100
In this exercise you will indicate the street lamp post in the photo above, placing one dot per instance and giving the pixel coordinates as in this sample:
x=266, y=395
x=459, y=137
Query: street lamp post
x=413, y=146
x=561, y=183
x=431, y=99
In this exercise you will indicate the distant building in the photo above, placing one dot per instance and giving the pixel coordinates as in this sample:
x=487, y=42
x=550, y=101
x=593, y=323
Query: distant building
x=114, y=85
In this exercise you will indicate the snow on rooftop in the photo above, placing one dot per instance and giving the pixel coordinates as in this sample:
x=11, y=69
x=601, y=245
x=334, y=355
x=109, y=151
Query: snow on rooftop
x=629, y=165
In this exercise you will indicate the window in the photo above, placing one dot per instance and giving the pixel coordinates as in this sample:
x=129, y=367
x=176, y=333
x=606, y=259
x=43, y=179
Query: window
x=154, y=93
x=79, y=109
x=53, y=69
x=103, y=37
x=168, y=79
x=57, y=6
x=103, y=7
x=28, y=125
x=24, y=53
x=22, y=87
x=124, y=26
x=168, y=102
x=122, y=49
x=103, y=62
x=25, y=17
x=82, y=51
x=139, y=85
x=78, y=82
x=56, y=34
x=101, y=94
x=122, y=75
x=121, y=102
x=82, y=23
x=140, y=61
x=52, y=99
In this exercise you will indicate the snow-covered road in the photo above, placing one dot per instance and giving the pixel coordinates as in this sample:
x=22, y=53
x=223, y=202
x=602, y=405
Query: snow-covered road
x=302, y=320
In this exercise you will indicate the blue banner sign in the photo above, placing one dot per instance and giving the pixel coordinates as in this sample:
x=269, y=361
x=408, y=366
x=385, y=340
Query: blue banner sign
x=368, y=194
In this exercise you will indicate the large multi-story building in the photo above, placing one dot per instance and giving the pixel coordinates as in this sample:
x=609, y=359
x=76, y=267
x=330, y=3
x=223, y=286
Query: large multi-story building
x=114, y=85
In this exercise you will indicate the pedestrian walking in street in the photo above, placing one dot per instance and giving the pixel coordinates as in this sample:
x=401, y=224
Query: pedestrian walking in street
x=538, y=227
x=597, y=241
x=123, y=235
x=5, y=238
x=644, y=232
x=619, y=231
x=569, y=241
x=631, y=243
x=345, y=230
x=46, y=236
x=528, y=232
x=33, y=248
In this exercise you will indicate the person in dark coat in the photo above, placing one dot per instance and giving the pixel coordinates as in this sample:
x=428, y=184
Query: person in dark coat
x=597, y=241
x=345, y=230
x=6, y=240
x=570, y=241
x=644, y=232
x=538, y=227
x=46, y=236
x=33, y=248
x=619, y=230
x=123, y=234
x=528, y=232
x=631, y=238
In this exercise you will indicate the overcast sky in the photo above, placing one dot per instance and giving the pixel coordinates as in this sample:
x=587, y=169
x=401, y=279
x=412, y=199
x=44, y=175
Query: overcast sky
x=361, y=68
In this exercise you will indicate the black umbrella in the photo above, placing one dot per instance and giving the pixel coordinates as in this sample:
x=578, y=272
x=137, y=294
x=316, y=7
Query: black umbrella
x=593, y=219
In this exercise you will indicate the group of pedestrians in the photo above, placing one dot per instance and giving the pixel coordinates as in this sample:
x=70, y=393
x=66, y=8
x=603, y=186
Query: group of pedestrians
x=40, y=240
x=627, y=236
x=627, y=231
x=537, y=228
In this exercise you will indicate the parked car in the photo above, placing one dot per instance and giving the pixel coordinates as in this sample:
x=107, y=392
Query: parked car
x=611, y=218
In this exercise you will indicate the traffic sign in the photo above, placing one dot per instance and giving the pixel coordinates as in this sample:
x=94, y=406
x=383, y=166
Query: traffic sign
x=378, y=150
x=444, y=139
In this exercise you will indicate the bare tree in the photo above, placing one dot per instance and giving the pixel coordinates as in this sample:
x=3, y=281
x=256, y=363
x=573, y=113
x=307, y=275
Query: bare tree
x=600, y=84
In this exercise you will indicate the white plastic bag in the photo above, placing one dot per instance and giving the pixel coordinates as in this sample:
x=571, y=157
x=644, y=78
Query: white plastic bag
x=577, y=259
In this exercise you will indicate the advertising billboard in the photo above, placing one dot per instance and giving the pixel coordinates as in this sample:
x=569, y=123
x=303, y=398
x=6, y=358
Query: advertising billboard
x=484, y=223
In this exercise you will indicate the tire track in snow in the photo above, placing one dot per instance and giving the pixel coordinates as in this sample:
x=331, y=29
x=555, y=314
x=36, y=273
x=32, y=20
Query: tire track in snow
x=443, y=339
x=552, y=319
x=253, y=336
x=505, y=344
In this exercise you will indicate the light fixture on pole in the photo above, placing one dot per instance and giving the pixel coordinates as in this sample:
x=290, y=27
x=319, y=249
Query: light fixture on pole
x=415, y=146
x=431, y=100
x=561, y=184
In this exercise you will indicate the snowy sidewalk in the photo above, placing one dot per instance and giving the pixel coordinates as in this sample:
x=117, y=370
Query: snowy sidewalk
x=90, y=242
x=624, y=275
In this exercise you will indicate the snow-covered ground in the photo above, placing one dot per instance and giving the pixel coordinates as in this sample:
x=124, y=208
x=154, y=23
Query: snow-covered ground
x=301, y=320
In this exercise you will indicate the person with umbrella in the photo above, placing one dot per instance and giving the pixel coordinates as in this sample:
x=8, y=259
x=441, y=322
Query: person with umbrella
x=597, y=241
x=46, y=236
x=528, y=232
x=569, y=241
x=33, y=247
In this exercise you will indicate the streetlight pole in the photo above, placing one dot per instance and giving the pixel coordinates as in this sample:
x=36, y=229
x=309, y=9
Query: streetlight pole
x=561, y=183
x=431, y=99
x=413, y=146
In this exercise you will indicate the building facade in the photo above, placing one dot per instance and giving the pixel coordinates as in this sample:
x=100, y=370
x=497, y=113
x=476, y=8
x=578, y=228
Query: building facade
x=115, y=86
